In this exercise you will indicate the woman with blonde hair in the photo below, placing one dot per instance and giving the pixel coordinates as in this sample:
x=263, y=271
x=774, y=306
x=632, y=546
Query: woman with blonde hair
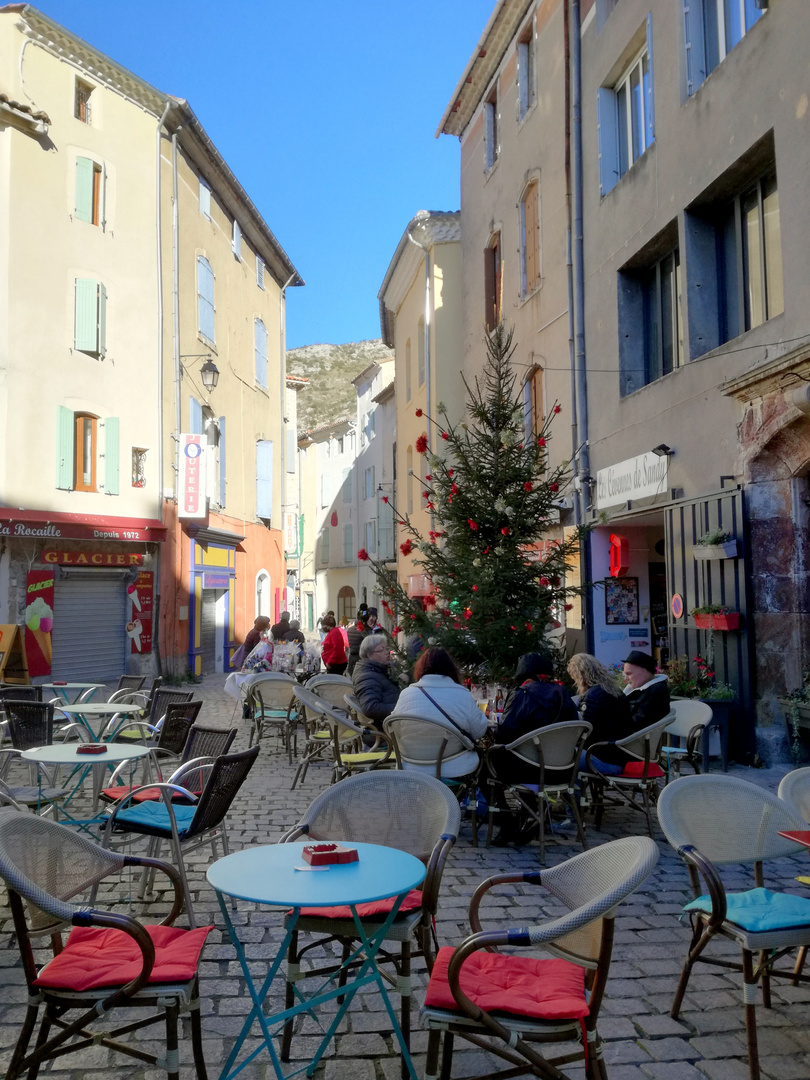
x=605, y=707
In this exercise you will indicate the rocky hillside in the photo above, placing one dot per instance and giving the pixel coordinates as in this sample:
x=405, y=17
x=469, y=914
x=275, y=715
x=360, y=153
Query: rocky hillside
x=330, y=370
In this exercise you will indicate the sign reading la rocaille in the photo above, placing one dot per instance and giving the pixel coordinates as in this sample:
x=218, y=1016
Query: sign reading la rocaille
x=92, y=558
x=636, y=478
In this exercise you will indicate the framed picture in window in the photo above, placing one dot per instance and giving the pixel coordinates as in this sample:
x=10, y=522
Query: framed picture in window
x=621, y=601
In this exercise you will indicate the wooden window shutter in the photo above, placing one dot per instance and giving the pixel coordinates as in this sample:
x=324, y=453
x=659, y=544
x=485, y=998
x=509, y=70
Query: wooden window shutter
x=205, y=298
x=264, y=479
x=85, y=330
x=111, y=456
x=260, y=352
x=195, y=425
x=84, y=189
x=532, y=239
x=64, y=448
x=222, y=461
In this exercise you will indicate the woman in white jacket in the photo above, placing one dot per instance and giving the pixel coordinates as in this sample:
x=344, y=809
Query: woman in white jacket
x=438, y=687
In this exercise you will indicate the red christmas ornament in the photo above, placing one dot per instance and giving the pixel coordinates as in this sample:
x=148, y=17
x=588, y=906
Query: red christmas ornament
x=413, y=617
x=569, y=607
x=451, y=473
x=362, y=555
x=529, y=627
x=541, y=441
x=513, y=628
x=467, y=612
x=473, y=524
x=430, y=600
x=553, y=486
x=406, y=548
x=397, y=630
x=421, y=444
x=557, y=408
x=454, y=489
x=425, y=494
x=428, y=477
x=445, y=436
x=544, y=581
x=475, y=588
x=385, y=498
x=418, y=412
x=505, y=531
x=486, y=550
x=526, y=487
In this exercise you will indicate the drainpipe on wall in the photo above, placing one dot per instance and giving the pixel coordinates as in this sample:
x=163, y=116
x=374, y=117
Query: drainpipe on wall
x=176, y=315
x=282, y=366
x=159, y=244
x=579, y=294
x=426, y=250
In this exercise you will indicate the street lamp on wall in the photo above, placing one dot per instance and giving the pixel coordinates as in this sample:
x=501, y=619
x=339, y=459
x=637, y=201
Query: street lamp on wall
x=209, y=372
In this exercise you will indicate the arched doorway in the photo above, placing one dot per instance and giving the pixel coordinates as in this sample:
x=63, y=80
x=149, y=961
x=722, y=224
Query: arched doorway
x=347, y=603
x=263, y=594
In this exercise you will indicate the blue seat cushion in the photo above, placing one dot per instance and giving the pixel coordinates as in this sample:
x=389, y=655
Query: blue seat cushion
x=153, y=818
x=760, y=910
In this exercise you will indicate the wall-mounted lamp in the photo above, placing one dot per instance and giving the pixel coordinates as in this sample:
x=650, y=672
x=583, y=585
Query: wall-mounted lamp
x=662, y=450
x=209, y=372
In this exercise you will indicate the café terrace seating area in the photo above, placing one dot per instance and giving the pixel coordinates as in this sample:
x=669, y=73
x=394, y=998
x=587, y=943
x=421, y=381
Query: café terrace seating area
x=569, y=956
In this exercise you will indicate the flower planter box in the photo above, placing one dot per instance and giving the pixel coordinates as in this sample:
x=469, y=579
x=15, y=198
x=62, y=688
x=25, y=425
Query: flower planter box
x=715, y=551
x=728, y=621
x=802, y=715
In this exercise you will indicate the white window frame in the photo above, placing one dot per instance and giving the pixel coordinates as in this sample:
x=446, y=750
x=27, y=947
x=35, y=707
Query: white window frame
x=526, y=74
x=625, y=130
x=205, y=199
x=612, y=133
x=236, y=240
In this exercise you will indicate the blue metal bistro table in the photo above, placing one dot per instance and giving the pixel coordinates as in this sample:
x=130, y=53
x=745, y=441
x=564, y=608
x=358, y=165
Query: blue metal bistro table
x=278, y=875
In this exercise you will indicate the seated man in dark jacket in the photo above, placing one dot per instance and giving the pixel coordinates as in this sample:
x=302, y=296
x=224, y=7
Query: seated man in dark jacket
x=375, y=691
x=647, y=693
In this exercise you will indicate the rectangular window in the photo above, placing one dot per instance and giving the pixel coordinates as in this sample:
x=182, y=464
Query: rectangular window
x=264, y=479
x=371, y=423
x=491, y=129
x=260, y=352
x=90, y=185
x=420, y=352
x=260, y=271
x=81, y=101
x=138, y=467
x=236, y=240
x=370, y=543
x=368, y=483
x=205, y=198
x=663, y=323
x=205, y=300
x=711, y=30
x=325, y=546
x=750, y=259
x=525, y=72
x=493, y=297
x=385, y=518
x=348, y=543
x=626, y=117
x=84, y=470
x=408, y=370
x=90, y=318
x=530, y=240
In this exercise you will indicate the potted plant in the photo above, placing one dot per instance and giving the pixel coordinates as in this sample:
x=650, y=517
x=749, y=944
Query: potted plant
x=716, y=617
x=796, y=707
x=716, y=544
x=698, y=681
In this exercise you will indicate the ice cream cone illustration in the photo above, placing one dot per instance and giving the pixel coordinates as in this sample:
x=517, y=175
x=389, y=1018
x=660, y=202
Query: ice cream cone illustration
x=39, y=620
x=134, y=630
x=133, y=595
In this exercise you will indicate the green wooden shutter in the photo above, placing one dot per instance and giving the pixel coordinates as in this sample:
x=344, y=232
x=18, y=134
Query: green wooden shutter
x=64, y=448
x=102, y=321
x=111, y=456
x=85, y=333
x=84, y=189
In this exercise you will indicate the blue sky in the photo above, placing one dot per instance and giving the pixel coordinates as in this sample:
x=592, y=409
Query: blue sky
x=324, y=109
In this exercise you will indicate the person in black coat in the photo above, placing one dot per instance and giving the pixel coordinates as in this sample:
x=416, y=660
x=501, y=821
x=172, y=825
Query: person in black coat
x=606, y=709
x=375, y=691
x=647, y=693
x=537, y=701
x=356, y=635
x=279, y=629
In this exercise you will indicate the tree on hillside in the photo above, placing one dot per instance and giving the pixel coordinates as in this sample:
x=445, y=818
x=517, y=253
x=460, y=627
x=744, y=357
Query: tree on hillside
x=496, y=585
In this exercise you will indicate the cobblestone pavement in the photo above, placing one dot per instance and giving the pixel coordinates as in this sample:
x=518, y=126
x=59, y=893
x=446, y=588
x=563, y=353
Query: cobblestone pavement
x=643, y=1042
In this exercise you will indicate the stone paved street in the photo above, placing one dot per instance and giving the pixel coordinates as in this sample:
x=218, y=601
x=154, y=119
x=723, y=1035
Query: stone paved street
x=643, y=1042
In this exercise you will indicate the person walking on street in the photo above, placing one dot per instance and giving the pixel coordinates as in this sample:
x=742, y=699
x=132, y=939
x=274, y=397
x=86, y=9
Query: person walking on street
x=333, y=652
x=279, y=629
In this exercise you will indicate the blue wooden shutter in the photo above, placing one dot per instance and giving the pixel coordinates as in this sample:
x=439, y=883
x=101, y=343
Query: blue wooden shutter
x=102, y=321
x=85, y=330
x=111, y=455
x=65, y=432
x=694, y=44
x=264, y=479
x=608, y=137
x=195, y=425
x=260, y=352
x=84, y=189
x=205, y=298
x=222, y=461
x=650, y=102
x=348, y=543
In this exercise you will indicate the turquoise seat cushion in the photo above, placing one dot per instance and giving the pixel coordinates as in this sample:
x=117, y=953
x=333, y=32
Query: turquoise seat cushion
x=760, y=910
x=153, y=818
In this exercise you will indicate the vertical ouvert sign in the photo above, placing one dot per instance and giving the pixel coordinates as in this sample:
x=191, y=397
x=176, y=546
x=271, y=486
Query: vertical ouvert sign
x=192, y=503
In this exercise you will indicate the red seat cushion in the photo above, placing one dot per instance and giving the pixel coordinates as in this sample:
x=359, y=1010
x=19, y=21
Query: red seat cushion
x=147, y=795
x=543, y=989
x=634, y=770
x=94, y=957
x=366, y=911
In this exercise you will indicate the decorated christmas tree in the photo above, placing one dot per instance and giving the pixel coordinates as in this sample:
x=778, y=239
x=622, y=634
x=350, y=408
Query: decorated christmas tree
x=494, y=554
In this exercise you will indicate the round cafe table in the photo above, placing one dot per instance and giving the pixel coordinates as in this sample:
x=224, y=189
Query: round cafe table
x=278, y=875
x=70, y=691
x=98, y=708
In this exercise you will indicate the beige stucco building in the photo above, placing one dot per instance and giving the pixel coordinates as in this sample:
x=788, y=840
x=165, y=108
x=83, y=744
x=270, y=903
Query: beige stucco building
x=421, y=319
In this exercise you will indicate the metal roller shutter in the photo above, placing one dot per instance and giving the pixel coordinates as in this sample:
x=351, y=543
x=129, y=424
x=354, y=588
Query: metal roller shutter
x=89, y=626
x=208, y=632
